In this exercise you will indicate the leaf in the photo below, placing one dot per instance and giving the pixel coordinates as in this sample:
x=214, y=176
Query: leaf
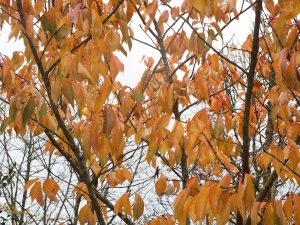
x=160, y=186
x=163, y=19
x=126, y=173
x=249, y=195
x=43, y=110
x=219, y=127
x=269, y=215
x=28, y=110
x=288, y=208
x=204, y=7
x=202, y=202
x=296, y=207
x=290, y=8
x=214, y=60
x=218, y=29
x=123, y=205
x=108, y=120
x=111, y=41
x=179, y=213
x=36, y=193
x=112, y=180
x=29, y=183
x=104, y=148
x=138, y=207
x=67, y=90
x=169, y=190
x=4, y=125
x=13, y=108
x=162, y=122
x=86, y=214
x=50, y=188
x=48, y=21
x=269, y=4
x=83, y=73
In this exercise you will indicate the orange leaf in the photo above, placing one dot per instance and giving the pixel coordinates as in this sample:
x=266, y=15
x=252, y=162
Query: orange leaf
x=126, y=173
x=138, y=207
x=162, y=122
x=36, y=193
x=123, y=205
x=179, y=212
x=288, y=208
x=86, y=214
x=160, y=186
x=29, y=183
x=214, y=60
x=202, y=202
x=269, y=215
x=50, y=188
x=296, y=207
x=108, y=120
x=112, y=180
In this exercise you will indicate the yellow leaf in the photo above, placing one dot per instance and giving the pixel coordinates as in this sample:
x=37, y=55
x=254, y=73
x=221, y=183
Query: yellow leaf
x=290, y=8
x=179, y=213
x=204, y=7
x=111, y=41
x=83, y=73
x=123, y=205
x=138, y=207
x=202, y=202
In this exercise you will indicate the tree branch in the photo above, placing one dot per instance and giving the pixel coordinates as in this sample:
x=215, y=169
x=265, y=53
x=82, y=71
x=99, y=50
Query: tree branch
x=250, y=84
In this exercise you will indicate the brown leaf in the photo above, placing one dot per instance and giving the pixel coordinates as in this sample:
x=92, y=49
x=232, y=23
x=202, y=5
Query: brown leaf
x=108, y=119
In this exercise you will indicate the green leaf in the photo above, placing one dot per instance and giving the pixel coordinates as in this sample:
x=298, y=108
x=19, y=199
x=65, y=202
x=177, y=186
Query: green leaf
x=28, y=110
x=4, y=125
x=138, y=97
x=218, y=29
x=160, y=70
x=13, y=109
x=67, y=90
x=43, y=111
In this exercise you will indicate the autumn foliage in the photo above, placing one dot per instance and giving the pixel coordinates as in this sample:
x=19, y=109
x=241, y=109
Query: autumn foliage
x=213, y=132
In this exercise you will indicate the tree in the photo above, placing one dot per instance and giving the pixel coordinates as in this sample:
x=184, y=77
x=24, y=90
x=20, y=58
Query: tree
x=217, y=138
